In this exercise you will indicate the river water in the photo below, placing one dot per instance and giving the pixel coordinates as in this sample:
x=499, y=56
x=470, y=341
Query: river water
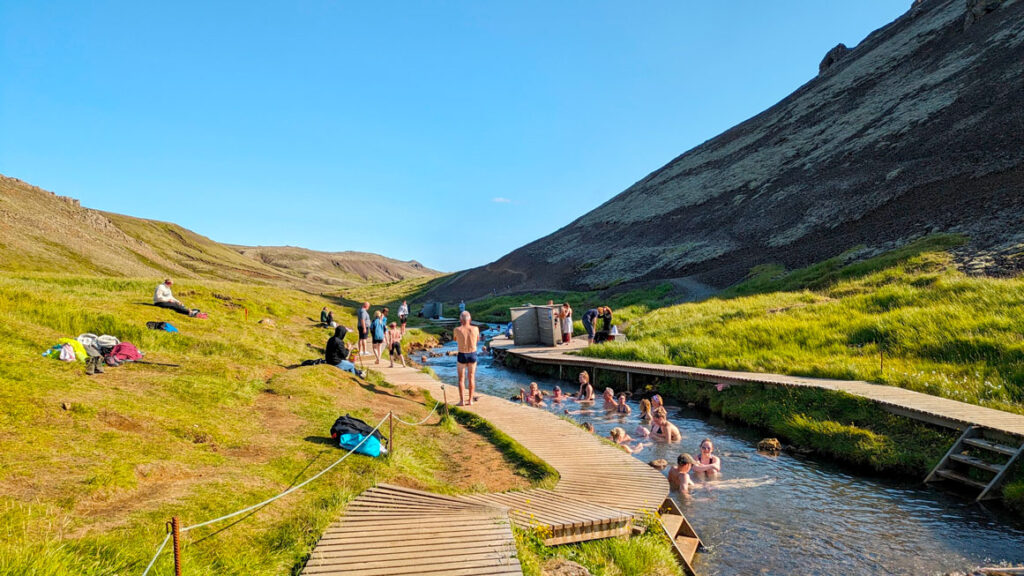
x=798, y=515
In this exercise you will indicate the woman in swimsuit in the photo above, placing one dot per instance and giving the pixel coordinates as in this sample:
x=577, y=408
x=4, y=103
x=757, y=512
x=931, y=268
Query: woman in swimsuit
x=586, y=393
x=645, y=410
x=707, y=462
x=622, y=407
x=661, y=429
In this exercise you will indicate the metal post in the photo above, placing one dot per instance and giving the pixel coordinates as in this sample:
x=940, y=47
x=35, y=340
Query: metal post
x=176, y=536
x=391, y=433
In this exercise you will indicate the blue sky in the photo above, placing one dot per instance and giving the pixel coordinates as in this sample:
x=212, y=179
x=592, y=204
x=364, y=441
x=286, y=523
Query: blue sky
x=446, y=132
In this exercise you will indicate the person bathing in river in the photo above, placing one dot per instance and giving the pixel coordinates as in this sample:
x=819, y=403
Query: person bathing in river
x=707, y=463
x=586, y=393
x=661, y=429
x=619, y=436
x=534, y=397
x=557, y=397
x=466, y=336
x=656, y=402
x=679, y=475
x=622, y=407
x=394, y=343
x=609, y=399
x=645, y=410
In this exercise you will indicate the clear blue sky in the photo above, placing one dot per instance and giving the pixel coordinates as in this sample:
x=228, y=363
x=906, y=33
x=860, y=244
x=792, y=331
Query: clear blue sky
x=384, y=126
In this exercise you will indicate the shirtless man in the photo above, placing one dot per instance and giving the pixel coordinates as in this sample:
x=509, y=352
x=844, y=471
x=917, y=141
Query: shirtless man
x=679, y=475
x=467, y=336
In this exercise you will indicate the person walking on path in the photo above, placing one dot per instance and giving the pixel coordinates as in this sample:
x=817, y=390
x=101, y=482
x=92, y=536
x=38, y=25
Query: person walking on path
x=378, y=329
x=336, y=352
x=163, y=298
x=466, y=336
x=565, y=316
x=462, y=307
x=363, y=326
x=393, y=341
x=588, y=323
x=403, y=314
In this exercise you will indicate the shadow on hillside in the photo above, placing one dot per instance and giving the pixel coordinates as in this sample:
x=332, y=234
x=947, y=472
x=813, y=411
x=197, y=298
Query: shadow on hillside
x=323, y=440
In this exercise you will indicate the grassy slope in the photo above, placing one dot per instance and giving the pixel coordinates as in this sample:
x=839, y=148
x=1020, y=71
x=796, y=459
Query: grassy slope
x=941, y=333
x=87, y=489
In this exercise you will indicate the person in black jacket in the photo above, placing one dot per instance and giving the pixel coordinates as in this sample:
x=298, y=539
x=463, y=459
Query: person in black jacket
x=336, y=353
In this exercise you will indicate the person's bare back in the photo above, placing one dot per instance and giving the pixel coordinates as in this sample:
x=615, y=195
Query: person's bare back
x=467, y=338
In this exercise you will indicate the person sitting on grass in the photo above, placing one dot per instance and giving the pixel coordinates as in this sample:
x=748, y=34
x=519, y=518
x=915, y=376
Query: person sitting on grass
x=661, y=429
x=163, y=298
x=394, y=344
x=336, y=352
x=679, y=475
x=323, y=316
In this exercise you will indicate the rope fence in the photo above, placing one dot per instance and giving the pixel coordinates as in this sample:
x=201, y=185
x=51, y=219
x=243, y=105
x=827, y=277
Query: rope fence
x=421, y=422
x=269, y=500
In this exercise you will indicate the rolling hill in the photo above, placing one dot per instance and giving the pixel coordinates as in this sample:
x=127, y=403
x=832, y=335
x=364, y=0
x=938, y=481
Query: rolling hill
x=43, y=232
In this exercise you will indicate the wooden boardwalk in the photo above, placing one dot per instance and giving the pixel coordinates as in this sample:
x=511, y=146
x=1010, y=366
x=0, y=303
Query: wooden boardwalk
x=391, y=531
x=916, y=405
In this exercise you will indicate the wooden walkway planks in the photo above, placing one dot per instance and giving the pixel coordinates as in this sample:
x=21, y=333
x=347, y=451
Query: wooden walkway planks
x=917, y=405
x=390, y=530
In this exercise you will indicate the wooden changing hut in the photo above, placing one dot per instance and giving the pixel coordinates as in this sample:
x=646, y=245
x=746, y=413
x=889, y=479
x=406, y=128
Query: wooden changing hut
x=536, y=325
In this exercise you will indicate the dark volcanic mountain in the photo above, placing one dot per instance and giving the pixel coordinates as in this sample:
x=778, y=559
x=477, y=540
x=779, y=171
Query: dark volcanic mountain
x=918, y=129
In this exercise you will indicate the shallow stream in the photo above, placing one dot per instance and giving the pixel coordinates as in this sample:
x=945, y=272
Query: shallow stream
x=797, y=515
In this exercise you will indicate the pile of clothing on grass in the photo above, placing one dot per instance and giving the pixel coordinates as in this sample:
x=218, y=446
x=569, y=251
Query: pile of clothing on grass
x=95, y=351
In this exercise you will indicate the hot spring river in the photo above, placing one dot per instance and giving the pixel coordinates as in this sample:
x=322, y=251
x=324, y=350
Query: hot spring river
x=799, y=515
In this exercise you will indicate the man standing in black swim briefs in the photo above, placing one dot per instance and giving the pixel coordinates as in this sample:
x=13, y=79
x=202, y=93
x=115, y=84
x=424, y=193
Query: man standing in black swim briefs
x=466, y=336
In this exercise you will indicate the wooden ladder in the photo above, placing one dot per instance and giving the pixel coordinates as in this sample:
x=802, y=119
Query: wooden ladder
x=685, y=542
x=963, y=455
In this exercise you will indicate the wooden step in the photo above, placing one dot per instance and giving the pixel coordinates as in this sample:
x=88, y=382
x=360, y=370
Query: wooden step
x=976, y=462
x=950, y=475
x=687, y=547
x=671, y=522
x=990, y=446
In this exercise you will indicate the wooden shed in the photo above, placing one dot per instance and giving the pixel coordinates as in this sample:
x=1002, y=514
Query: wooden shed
x=433, y=310
x=535, y=325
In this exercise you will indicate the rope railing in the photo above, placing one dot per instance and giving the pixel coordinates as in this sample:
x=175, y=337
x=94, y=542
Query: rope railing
x=268, y=500
x=421, y=422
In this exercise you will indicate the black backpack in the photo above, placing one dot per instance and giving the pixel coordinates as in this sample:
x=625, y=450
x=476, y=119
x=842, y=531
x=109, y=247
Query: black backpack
x=349, y=425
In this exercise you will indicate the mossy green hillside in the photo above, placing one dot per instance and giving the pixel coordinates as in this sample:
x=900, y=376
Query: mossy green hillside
x=92, y=467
